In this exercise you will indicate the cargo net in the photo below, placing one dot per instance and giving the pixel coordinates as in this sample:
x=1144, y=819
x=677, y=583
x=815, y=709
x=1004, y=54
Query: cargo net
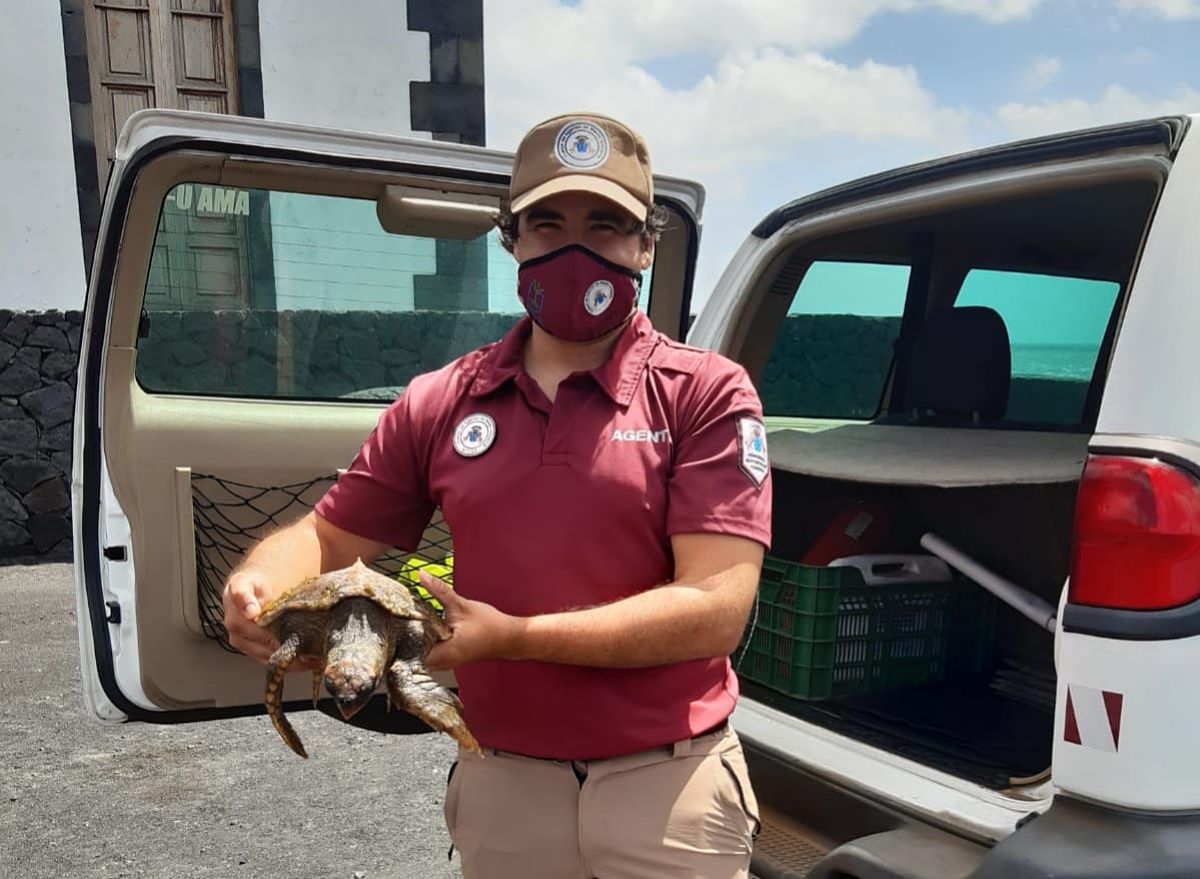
x=229, y=517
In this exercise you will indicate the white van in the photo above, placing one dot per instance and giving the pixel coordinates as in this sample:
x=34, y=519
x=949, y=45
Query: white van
x=979, y=358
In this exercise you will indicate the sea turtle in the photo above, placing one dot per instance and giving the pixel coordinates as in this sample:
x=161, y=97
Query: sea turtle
x=360, y=625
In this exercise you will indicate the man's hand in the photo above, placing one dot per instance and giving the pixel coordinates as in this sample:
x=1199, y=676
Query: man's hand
x=307, y=547
x=245, y=594
x=480, y=631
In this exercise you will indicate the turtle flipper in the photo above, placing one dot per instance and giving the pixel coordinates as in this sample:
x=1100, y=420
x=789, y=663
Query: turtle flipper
x=277, y=666
x=411, y=688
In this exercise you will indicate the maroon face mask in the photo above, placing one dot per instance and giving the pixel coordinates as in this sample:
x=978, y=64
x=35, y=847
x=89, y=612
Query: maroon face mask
x=575, y=294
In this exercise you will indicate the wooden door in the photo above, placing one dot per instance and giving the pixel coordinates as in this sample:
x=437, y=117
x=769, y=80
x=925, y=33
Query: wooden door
x=174, y=54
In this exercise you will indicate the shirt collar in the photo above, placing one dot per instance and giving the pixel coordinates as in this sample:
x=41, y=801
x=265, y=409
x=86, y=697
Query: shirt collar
x=618, y=376
x=502, y=360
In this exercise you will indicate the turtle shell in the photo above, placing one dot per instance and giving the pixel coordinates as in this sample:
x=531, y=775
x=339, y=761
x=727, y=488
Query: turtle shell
x=357, y=581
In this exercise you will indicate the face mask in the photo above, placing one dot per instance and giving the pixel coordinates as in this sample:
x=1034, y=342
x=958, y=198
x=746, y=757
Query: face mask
x=575, y=294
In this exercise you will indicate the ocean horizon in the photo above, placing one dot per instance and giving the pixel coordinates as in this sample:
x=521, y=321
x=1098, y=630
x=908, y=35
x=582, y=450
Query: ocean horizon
x=1055, y=361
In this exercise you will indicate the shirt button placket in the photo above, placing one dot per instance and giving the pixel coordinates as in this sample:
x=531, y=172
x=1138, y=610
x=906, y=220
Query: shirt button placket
x=556, y=449
x=541, y=411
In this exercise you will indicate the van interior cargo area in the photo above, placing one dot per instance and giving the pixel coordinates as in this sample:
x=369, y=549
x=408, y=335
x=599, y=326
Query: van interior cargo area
x=962, y=727
x=973, y=446
x=991, y=724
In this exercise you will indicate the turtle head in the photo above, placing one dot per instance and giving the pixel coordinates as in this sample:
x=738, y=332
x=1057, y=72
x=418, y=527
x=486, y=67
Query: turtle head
x=351, y=681
x=357, y=642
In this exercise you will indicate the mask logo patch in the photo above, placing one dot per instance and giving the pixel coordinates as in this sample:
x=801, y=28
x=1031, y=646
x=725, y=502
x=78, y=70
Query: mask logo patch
x=474, y=435
x=598, y=298
x=581, y=144
x=535, y=298
x=752, y=450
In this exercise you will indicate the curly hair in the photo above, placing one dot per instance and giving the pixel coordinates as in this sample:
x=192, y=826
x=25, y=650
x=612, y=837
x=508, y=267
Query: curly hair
x=650, y=230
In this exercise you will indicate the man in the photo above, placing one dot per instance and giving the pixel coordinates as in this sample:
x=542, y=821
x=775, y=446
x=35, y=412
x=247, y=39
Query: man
x=609, y=498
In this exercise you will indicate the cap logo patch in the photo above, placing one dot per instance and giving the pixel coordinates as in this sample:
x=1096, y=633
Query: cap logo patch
x=474, y=435
x=752, y=450
x=581, y=144
x=598, y=298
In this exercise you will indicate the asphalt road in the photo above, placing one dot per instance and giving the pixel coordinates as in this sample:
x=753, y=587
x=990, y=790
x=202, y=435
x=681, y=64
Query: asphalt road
x=225, y=798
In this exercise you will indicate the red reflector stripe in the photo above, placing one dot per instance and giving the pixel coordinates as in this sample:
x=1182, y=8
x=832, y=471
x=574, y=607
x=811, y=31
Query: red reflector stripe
x=1071, y=730
x=1112, y=705
x=1093, y=718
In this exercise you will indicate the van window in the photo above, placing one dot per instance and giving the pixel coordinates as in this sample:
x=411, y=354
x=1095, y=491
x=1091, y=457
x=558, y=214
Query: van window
x=835, y=348
x=253, y=293
x=1056, y=325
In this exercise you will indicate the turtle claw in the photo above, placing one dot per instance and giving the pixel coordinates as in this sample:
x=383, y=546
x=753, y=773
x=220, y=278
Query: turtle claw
x=289, y=736
x=316, y=687
x=277, y=666
x=415, y=691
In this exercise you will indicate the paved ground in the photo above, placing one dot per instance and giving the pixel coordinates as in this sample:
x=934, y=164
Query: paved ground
x=78, y=798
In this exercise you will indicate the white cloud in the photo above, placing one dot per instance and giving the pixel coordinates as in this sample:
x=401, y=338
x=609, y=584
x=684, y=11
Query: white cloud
x=648, y=29
x=1117, y=104
x=770, y=102
x=1041, y=72
x=755, y=104
x=1171, y=10
x=997, y=11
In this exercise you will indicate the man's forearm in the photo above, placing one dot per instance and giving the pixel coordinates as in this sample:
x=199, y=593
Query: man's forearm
x=288, y=555
x=672, y=623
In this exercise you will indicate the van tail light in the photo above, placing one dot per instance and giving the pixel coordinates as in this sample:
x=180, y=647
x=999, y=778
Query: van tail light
x=1137, y=535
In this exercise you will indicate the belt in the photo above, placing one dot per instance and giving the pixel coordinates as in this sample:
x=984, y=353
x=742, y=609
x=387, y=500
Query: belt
x=683, y=748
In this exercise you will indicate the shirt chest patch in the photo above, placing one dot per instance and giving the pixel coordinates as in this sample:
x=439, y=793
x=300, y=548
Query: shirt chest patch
x=474, y=435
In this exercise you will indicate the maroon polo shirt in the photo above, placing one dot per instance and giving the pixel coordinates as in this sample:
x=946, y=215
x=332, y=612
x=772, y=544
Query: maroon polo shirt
x=566, y=505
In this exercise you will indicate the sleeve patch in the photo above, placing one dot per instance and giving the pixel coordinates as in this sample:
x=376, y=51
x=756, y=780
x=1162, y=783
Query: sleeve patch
x=752, y=450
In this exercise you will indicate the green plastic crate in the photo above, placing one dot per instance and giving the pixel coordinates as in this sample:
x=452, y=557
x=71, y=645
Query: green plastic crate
x=822, y=633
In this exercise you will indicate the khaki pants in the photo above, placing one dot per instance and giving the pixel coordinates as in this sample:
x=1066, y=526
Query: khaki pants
x=681, y=811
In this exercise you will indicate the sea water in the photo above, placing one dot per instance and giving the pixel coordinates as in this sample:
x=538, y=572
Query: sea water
x=1063, y=362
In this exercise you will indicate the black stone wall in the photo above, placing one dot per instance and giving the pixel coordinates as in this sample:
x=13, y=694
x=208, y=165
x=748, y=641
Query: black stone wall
x=451, y=104
x=38, y=354
x=327, y=355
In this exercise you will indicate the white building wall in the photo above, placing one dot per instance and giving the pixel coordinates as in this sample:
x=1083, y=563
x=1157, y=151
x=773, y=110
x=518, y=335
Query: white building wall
x=325, y=66
x=346, y=65
x=41, y=255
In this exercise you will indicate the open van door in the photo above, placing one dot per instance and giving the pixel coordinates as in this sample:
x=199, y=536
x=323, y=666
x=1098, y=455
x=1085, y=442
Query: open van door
x=260, y=292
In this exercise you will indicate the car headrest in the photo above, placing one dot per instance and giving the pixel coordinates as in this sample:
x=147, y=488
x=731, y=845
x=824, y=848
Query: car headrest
x=961, y=365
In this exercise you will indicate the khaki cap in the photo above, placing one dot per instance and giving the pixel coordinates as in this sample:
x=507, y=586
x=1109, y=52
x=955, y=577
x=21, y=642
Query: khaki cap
x=583, y=152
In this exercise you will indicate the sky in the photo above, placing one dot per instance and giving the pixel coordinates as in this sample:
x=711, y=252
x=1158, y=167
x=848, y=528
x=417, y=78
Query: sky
x=763, y=101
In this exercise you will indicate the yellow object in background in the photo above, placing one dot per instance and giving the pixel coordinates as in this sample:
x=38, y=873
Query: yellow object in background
x=413, y=567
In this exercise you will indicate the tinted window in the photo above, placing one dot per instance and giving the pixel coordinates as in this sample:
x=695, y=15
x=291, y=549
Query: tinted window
x=835, y=348
x=277, y=294
x=1056, y=326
